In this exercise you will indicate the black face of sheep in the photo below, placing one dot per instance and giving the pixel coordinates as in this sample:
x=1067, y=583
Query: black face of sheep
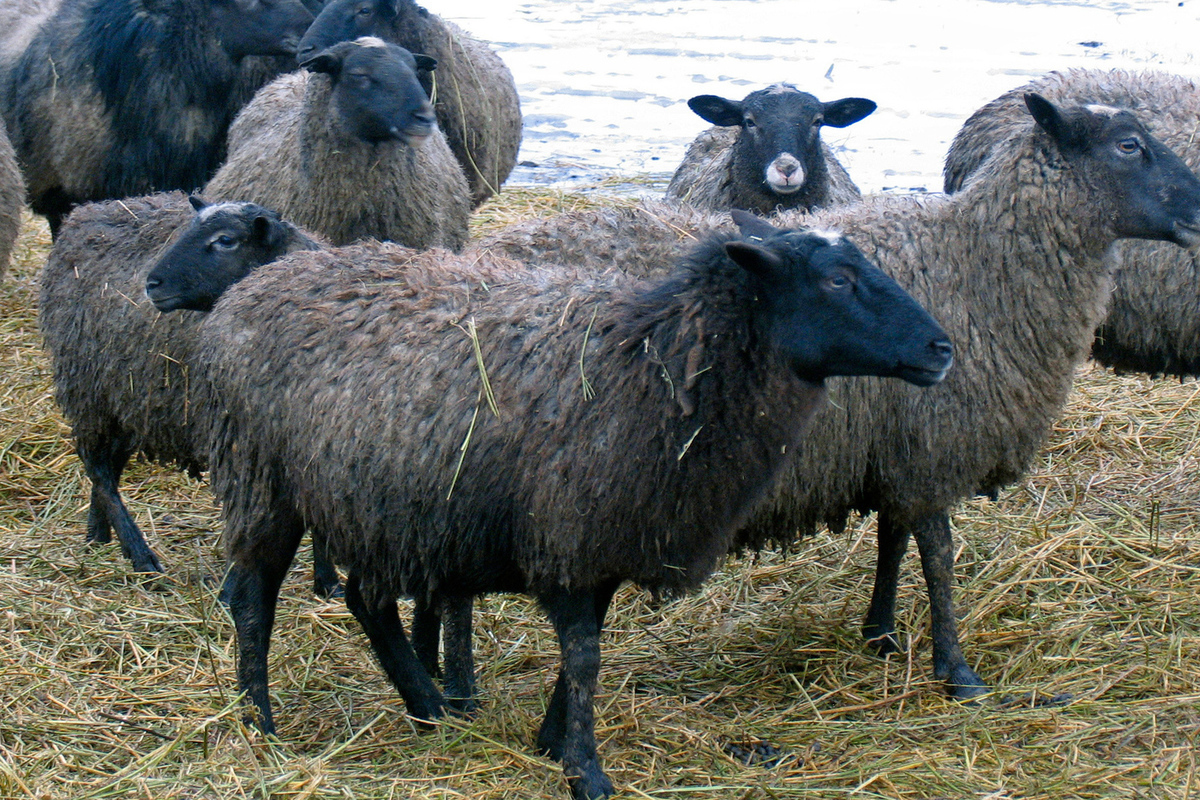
x=260, y=27
x=832, y=312
x=376, y=89
x=346, y=20
x=222, y=245
x=781, y=132
x=1161, y=197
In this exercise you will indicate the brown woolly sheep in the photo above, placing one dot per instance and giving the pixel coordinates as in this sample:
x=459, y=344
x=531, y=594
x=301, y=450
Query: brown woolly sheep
x=350, y=150
x=765, y=152
x=122, y=370
x=473, y=92
x=1151, y=325
x=1016, y=266
x=438, y=418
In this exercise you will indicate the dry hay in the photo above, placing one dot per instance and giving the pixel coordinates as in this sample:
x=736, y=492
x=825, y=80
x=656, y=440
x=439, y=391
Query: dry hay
x=1083, y=580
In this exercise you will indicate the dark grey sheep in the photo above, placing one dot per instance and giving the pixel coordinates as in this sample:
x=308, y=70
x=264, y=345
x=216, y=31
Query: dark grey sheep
x=766, y=152
x=122, y=371
x=1017, y=267
x=474, y=95
x=1151, y=325
x=350, y=150
x=116, y=98
x=465, y=425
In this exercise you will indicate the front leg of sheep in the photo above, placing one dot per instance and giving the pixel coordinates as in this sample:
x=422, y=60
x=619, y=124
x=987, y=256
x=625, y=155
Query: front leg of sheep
x=575, y=619
x=879, y=628
x=937, y=562
x=104, y=459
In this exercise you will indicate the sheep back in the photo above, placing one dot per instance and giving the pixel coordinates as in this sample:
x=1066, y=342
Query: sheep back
x=286, y=152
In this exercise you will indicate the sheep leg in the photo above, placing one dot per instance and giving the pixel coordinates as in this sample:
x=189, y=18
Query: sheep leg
x=460, y=665
x=937, y=562
x=550, y=737
x=879, y=628
x=577, y=618
x=326, y=582
x=104, y=461
x=253, y=588
x=382, y=625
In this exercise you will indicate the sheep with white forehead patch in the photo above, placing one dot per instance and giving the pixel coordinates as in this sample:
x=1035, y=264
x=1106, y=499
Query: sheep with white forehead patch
x=766, y=152
x=1018, y=267
x=350, y=149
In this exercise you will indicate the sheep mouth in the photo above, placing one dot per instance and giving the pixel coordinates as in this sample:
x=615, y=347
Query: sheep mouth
x=166, y=303
x=1186, y=234
x=921, y=376
x=785, y=188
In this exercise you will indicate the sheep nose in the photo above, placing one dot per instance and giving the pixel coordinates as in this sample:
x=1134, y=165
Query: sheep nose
x=788, y=169
x=153, y=283
x=942, y=349
x=304, y=52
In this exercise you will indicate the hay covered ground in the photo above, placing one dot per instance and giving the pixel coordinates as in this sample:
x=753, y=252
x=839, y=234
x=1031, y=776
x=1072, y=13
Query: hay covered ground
x=1082, y=581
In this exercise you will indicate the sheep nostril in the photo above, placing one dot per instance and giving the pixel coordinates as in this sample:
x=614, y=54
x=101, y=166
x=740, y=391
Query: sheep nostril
x=153, y=283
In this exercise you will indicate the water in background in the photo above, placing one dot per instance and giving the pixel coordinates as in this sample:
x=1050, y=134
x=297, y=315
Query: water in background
x=604, y=83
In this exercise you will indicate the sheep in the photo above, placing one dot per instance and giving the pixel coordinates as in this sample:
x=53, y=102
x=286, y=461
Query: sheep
x=12, y=199
x=474, y=95
x=116, y=98
x=438, y=417
x=350, y=150
x=1016, y=266
x=1150, y=326
x=122, y=370
x=765, y=152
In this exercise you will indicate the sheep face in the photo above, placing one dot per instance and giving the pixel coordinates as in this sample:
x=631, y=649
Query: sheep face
x=1155, y=195
x=222, y=245
x=346, y=20
x=376, y=91
x=781, y=132
x=260, y=27
x=829, y=311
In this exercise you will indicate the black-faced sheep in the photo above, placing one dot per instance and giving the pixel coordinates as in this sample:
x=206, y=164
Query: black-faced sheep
x=122, y=370
x=1017, y=267
x=116, y=98
x=1151, y=325
x=474, y=95
x=766, y=152
x=468, y=425
x=12, y=199
x=350, y=150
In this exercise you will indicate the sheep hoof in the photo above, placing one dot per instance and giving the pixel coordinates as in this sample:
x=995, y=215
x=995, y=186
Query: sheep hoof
x=964, y=684
x=593, y=784
x=884, y=644
x=462, y=706
x=327, y=590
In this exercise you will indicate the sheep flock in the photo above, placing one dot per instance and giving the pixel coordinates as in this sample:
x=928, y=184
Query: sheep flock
x=603, y=495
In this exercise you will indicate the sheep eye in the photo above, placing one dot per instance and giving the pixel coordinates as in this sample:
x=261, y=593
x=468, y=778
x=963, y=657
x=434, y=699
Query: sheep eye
x=365, y=11
x=1129, y=146
x=749, y=123
x=838, y=282
x=225, y=242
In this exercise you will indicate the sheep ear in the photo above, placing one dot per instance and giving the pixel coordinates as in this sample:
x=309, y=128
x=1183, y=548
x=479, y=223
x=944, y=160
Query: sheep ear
x=427, y=63
x=1047, y=116
x=847, y=111
x=197, y=202
x=756, y=260
x=266, y=230
x=752, y=225
x=716, y=110
x=328, y=61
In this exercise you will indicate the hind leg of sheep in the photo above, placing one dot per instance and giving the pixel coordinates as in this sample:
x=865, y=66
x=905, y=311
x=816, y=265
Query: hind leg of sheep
x=326, y=582
x=460, y=664
x=253, y=585
x=382, y=625
x=426, y=630
x=937, y=562
x=554, y=726
x=104, y=461
x=879, y=628
x=568, y=732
